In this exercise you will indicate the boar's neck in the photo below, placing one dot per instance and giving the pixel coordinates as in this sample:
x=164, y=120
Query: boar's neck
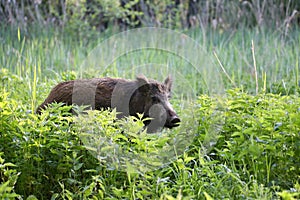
x=124, y=98
x=137, y=104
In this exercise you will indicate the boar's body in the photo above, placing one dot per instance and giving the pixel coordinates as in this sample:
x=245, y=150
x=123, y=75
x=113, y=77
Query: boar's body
x=95, y=92
x=129, y=97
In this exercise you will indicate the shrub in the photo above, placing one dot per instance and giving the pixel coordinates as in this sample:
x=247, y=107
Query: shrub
x=8, y=179
x=259, y=136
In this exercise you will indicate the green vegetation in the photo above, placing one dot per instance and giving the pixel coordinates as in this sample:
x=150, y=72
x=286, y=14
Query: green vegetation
x=239, y=141
x=253, y=155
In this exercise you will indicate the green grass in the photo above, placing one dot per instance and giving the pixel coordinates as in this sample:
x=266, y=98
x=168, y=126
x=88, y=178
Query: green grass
x=243, y=146
x=51, y=53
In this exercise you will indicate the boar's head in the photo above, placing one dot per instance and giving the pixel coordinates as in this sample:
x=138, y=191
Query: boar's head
x=152, y=99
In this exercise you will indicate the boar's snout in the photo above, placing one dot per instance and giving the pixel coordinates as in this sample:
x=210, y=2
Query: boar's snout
x=172, y=121
x=175, y=121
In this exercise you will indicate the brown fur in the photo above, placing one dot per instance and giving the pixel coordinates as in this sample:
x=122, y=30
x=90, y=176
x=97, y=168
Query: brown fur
x=129, y=97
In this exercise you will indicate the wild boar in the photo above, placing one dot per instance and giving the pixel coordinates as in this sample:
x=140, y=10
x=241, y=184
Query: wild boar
x=129, y=97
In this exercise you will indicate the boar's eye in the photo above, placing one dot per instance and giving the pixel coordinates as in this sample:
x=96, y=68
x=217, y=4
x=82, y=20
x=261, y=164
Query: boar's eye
x=155, y=99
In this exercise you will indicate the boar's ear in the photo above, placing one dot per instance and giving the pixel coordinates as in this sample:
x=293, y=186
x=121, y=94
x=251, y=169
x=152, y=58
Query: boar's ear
x=168, y=83
x=143, y=84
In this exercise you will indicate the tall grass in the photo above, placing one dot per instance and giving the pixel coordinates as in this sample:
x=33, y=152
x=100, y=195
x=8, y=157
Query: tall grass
x=53, y=53
x=45, y=145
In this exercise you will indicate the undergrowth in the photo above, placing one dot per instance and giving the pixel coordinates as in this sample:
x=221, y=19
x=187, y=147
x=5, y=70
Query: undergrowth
x=245, y=147
x=235, y=146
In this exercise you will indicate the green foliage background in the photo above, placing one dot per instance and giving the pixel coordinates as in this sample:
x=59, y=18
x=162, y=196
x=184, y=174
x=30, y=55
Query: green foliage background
x=84, y=17
x=255, y=155
x=246, y=142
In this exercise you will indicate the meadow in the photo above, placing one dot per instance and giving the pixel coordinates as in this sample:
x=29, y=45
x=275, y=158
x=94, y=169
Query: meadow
x=240, y=110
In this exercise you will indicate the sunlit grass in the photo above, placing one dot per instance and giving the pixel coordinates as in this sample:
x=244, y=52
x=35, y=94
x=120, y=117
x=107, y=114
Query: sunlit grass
x=49, y=149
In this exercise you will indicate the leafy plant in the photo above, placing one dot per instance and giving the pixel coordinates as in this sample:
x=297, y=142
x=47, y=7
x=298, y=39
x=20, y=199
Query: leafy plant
x=260, y=137
x=8, y=179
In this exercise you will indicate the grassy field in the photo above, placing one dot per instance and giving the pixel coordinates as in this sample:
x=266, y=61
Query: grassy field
x=239, y=104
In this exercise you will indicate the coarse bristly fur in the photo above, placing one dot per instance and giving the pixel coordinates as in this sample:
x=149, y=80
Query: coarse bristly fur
x=129, y=97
